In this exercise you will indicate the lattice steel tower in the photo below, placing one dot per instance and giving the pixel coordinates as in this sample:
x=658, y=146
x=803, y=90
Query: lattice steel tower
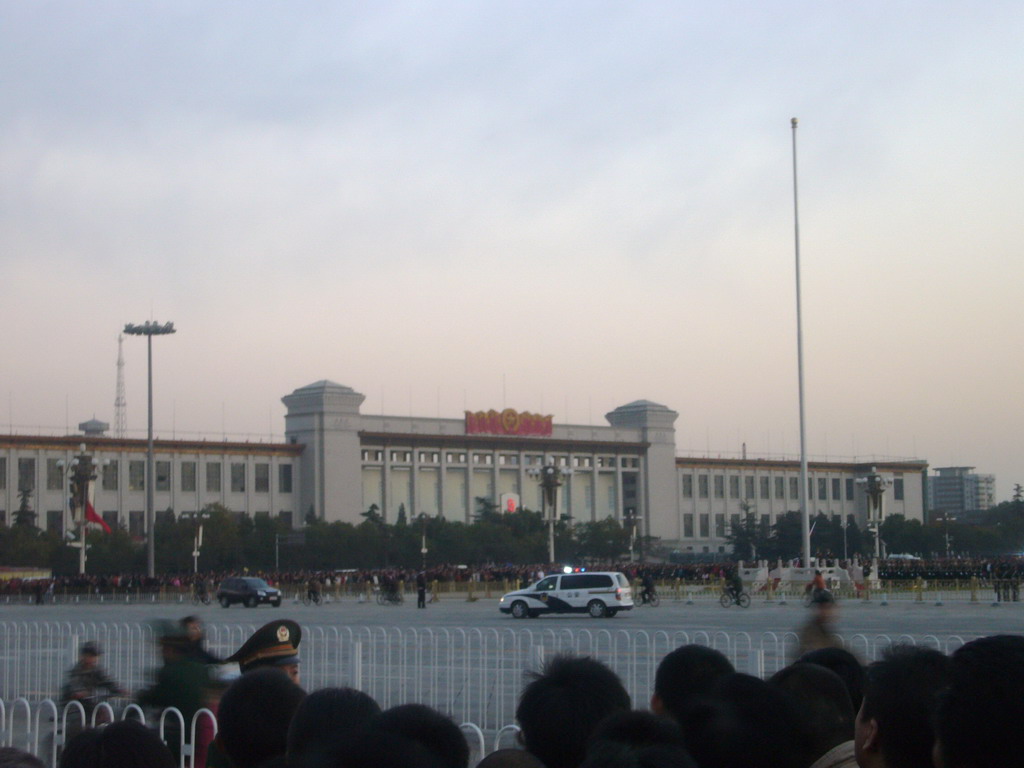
x=120, y=403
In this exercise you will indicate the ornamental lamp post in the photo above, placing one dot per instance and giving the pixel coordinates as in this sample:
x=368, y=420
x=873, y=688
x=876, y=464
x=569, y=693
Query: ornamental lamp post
x=197, y=539
x=80, y=472
x=551, y=478
x=149, y=329
x=874, y=486
x=423, y=538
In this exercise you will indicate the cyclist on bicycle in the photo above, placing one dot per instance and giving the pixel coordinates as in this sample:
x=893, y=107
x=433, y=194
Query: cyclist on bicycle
x=647, y=584
x=734, y=583
x=817, y=588
x=313, y=588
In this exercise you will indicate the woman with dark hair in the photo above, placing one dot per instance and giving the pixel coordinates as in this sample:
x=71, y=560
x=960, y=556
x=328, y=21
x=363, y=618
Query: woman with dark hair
x=127, y=744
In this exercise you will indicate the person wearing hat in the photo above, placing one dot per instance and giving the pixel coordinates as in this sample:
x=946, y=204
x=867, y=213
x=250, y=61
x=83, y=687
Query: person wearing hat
x=87, y=682
x=273, y=645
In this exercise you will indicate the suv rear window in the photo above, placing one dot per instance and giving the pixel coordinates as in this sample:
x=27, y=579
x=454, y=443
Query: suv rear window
x=623, y=581
x=586, y=581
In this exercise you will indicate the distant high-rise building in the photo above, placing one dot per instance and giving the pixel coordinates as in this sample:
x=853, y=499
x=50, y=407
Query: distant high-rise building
x=957, y=490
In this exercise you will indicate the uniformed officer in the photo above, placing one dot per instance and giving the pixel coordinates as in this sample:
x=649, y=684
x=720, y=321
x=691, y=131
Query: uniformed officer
x=273, y=645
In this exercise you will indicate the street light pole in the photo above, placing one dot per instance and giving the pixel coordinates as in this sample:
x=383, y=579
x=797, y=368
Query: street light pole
x=423, y=539
x=81, y=471
x=149, y=329
x=551, y=478
x=874, y=486
x=805, y=516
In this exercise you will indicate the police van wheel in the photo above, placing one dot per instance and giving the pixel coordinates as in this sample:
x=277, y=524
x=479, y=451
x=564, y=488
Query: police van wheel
x=519, y=610
x=596, y=609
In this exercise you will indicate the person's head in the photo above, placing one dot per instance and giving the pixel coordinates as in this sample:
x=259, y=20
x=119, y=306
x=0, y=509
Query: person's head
x=559, y=709
x=324, y=723
x=12, y=757
x=826, y=712
x=192, y=626
x=979, y=715
x=687, y=672
x=125, y=744
x=89, y=654
x=275, y=644
x=895, y=722
x=511, y=757
x=744, y=723
x=637, y=740
x=254, y=715
x=844, y=664
x=411, y=735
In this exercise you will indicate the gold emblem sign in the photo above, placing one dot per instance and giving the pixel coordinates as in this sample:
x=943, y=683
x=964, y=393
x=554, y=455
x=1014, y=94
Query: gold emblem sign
x=282, y=634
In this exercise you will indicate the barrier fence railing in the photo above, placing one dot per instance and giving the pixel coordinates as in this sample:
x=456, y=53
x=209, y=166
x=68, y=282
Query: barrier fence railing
x=970, y=589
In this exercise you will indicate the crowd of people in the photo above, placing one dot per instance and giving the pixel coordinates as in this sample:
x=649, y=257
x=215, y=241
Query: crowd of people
x=915, y=707
x=1008, y=570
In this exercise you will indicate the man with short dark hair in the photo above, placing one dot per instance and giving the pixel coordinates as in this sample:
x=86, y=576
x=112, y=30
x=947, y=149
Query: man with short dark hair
x=979, y=717
x=686, y=673
x=894, y=726
x=254, y=716
x=562, y=706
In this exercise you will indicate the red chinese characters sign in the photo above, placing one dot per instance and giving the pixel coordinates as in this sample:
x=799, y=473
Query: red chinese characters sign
x=507, y=422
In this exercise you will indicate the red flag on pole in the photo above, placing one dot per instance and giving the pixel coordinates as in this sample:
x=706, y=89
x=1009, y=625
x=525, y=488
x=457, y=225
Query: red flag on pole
x=92, y=517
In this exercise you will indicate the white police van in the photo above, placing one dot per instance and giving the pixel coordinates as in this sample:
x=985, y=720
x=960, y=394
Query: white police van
x=601, y=593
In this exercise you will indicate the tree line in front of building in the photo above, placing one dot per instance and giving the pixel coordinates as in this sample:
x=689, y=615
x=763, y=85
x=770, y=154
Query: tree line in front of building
x=232, y=541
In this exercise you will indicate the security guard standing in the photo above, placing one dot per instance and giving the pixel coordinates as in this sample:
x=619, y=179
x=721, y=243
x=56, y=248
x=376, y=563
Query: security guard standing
x=273, y=645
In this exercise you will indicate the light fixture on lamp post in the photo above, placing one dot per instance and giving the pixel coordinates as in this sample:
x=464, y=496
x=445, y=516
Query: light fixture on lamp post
x=149, y=329
x=197, y=539
x=874, y=486
x=551, y=478
x=80, y=471
x=423, y=538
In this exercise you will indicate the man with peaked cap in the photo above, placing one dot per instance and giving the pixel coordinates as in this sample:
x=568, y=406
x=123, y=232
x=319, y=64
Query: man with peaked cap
x=273, y=645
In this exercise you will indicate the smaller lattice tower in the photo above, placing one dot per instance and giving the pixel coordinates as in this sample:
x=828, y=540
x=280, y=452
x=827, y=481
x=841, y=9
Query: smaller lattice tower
x=120, y=403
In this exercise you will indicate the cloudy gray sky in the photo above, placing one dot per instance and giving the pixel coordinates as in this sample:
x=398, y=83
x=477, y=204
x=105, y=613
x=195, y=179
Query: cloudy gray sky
x=552, y=206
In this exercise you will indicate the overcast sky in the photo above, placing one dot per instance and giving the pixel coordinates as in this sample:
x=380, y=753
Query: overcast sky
x=558, y=207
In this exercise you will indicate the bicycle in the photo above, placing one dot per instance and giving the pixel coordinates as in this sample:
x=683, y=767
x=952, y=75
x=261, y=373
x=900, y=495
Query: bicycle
x=200, y=597
x=649, y=598
x=728, y=597
x=389, y=598
x=314, y=599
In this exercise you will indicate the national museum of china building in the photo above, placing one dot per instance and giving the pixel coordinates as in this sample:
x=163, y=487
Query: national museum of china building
x=337, y=462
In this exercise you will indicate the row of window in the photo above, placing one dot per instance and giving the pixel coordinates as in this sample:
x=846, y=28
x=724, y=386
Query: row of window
x=501, y=459
x=836, y=485
x=136, y=520
x=704, y=524
x=188, y=475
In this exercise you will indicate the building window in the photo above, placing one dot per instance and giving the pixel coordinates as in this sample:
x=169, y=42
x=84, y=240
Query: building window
x=238, y=478
x=897, y=489
x=764, y=487
x=55, y=521
x=822, y=489
x=136, y=476
x=284, y=478
x=136, y=523
x=719, y=486
x=285, y=517
x=836, y=489
x=3, y=473
x=794, y=487
x=188, y=476
x=720, y=526
x=455, y=458
x=110, y=518
x=603, y=462
x=630, y=462
x=688, y=526
x=734, y=486
x=429, y=457
x=734, y=523
x=849, y=489
x=702, y=489
x=261, y=480
x=780, y=487
x=54, y=476
x=163, y=475
x=213, y=477
x=688, y=488
x=110, y=476
x=26, y=474
x=765, y=522
x=483, y=458
x=748, y=487
x=369, y=455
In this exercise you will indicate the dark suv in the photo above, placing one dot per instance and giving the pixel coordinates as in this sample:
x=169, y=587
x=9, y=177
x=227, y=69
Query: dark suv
x=248, y=591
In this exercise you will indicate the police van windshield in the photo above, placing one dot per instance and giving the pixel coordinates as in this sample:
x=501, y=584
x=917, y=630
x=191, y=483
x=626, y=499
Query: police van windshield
x=547, y=584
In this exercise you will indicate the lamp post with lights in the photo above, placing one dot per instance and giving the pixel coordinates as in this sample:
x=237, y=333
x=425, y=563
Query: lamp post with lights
x=874, y=486
x=80, y=472
x=149, y=329
x=551, y=478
